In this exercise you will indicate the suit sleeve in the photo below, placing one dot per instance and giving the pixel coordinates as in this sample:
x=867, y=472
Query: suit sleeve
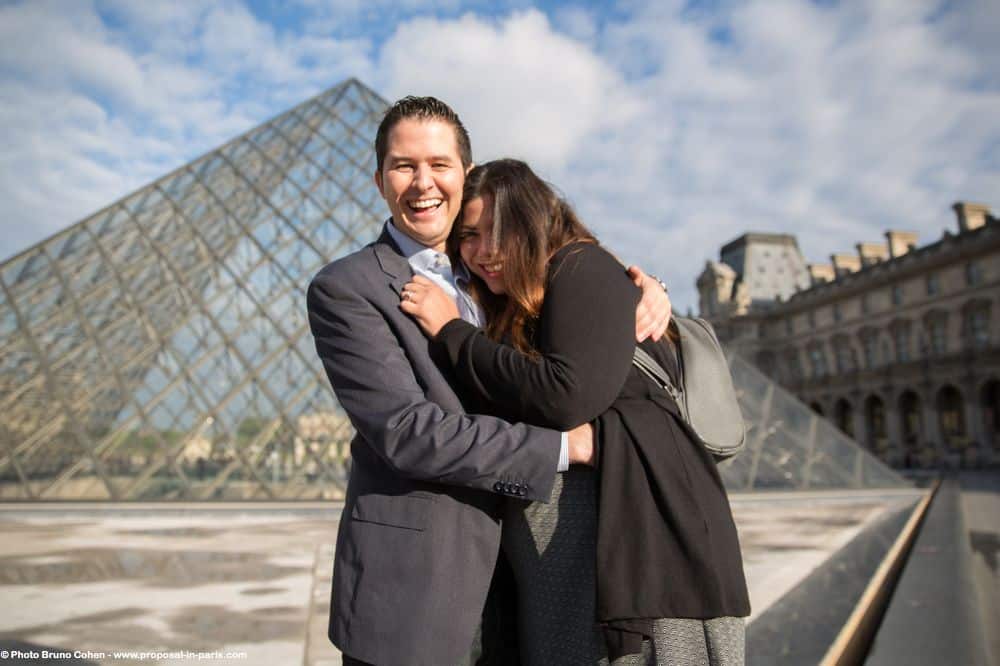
x=586, y=336
x=376, y=385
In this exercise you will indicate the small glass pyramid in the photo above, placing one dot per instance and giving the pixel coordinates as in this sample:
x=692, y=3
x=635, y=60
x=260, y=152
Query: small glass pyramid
x=790, y=447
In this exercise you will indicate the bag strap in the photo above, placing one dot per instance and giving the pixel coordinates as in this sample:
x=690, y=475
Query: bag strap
x=649, y=366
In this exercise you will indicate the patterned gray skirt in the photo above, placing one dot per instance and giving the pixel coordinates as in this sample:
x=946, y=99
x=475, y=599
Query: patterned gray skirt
x=552, y=549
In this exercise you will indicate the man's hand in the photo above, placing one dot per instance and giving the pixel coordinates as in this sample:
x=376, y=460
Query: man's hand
x=428, y=304
x=652, y=315
x=581, y=445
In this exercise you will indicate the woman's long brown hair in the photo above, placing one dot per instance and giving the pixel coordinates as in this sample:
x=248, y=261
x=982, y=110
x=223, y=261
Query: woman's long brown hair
x=530, y=224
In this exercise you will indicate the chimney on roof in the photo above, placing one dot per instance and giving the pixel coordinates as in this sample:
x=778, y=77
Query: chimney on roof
x=843, y=263
x=901, y=242
x=820, y=273
x=872, y=253
x=970, y=215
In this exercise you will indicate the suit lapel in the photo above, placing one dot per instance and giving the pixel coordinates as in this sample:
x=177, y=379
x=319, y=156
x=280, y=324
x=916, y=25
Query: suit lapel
x=392, y=262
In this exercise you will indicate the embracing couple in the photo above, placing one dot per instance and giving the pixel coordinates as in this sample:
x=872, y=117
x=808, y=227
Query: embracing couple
x=519, y=491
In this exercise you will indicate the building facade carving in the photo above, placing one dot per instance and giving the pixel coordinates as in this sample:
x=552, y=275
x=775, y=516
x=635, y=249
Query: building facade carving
x=898, y=345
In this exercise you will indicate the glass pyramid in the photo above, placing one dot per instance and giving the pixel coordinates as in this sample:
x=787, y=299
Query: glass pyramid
x=159, y=349
x=790, y=447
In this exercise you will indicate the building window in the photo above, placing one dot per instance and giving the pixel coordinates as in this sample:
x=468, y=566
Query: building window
x=845, y=358
x=933, y=285
x=837, y=314
x=812, y=318
x=789, y=326
x=951, y=417
x=909, y=413
x=901, y=336
x=866, y=305
x=843, y=416
x=938, y=329
x=875, y=422
x=794, y=364
x=869, y=345
x=897, y=294
x=973, y=273
x=818, y=361
x=977, y=325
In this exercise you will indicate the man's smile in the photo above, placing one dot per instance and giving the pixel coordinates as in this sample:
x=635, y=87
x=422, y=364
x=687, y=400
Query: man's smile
x=424, y=205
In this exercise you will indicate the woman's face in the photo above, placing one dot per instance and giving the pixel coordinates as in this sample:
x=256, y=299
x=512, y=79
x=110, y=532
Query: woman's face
x=476, y=243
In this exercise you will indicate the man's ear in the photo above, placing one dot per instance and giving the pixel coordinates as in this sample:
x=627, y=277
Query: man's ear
x=378, y=183
x=469, y=168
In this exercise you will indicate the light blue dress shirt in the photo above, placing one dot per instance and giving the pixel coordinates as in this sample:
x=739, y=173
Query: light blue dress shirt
x=436, y=267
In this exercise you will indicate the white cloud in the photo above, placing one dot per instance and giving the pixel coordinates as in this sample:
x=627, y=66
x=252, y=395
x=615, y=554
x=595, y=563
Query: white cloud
x=94, y=107
x=522, y=88
x=59, y=44
x=576, y=22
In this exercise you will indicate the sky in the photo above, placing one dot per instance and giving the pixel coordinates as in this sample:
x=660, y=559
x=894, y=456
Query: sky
x=673, y=127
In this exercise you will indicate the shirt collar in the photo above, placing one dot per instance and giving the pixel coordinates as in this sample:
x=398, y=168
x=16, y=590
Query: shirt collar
x=462, y=274
x=420, y=256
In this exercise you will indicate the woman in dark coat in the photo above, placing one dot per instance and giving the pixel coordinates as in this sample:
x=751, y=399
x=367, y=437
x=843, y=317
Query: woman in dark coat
x=637, y=562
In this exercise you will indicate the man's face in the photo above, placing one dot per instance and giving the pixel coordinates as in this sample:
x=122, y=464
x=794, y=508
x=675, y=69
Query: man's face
x=421, y=179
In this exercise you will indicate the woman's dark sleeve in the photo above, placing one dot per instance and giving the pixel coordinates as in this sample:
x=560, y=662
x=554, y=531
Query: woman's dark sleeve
x=586, y=337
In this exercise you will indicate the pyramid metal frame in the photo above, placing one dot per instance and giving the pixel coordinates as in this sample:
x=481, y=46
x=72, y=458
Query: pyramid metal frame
x=159, y=348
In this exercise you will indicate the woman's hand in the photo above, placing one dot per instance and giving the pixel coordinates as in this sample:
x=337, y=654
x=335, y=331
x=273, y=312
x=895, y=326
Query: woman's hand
x=428, y=304
x=652, y=315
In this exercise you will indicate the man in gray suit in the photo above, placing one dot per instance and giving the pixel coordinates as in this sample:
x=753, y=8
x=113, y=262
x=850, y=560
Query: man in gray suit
x=419, y=535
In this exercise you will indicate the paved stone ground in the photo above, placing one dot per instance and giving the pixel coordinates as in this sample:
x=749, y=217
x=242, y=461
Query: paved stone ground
x=256, y=579
x=200, y=581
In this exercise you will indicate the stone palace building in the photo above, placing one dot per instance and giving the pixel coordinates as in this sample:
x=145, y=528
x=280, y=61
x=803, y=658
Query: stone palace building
x=899, y=345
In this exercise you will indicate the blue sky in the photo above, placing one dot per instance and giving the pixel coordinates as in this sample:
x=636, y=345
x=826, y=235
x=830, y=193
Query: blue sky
x=673, y=126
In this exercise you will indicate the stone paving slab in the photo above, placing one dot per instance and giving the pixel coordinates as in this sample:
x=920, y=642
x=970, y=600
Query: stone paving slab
x=256, y=579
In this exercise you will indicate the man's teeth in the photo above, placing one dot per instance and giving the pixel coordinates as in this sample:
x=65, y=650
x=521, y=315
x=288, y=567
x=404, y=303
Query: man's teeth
x=425, y=203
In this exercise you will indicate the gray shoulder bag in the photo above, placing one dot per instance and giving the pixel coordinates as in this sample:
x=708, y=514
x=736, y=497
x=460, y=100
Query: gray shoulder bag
x=706, y=398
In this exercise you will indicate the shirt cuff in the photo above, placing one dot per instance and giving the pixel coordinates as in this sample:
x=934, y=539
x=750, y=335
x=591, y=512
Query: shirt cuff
x=563, y=452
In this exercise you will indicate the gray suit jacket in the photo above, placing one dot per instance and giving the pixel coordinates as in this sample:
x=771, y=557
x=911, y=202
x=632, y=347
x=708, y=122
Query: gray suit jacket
x=419, y=536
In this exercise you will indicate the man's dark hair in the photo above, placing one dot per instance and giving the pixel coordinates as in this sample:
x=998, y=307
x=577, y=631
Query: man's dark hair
x=421, y=108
